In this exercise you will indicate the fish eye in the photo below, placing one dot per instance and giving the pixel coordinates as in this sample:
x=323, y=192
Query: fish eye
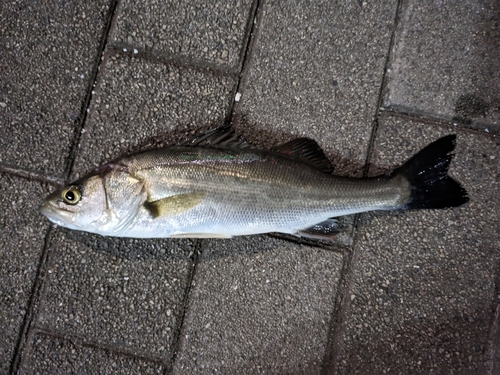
x=71, y=195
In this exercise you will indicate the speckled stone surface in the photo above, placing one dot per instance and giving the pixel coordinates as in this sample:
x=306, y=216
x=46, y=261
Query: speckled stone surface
x=122, y=292
x=446, y=62
x=139, y=101
x=204, y=31
x=402, y=293
x=423, y=282
x=316, y=71
x=48, y=52
x=259, y=305
x=54, y=355
x=22, y=234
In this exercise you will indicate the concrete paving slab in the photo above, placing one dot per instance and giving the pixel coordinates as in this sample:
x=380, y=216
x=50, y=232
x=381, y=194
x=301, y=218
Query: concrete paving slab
x=446, y=62
x=22, y=234
x=205, y=31
x=54, y=355
x=422, y=291
x=122, y=292
x=140, y=101
x=49, y=50
x=493, y=363
x=316, y=71
x=259, y=305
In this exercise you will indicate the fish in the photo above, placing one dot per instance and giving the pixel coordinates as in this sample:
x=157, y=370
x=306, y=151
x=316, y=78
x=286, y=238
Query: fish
x=218, y=186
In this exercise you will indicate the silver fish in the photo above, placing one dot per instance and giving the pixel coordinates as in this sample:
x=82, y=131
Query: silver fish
x=224, y=190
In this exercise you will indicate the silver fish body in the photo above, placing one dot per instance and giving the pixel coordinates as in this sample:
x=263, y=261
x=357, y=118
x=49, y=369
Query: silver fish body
x=223, y=192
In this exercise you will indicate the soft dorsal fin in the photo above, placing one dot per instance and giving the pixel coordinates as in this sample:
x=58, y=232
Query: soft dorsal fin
x=173, y=205
x=308, y=151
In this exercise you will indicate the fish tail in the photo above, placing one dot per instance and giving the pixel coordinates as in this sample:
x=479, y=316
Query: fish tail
x=427, y=172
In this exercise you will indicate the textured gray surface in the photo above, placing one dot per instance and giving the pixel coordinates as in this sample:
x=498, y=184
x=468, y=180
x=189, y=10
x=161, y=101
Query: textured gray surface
x=121, y=292
x=139, y=101
x=421, y=293
x=22, y=233
x=54, y=355
x=48, y=51
x=316, y=71
x=493, y=363
x=210, y=31
x=259, y=305
x=446, y=61
x=423, y=284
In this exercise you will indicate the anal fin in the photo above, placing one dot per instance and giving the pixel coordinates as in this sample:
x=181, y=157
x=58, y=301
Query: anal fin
x=326, y=230
x=200, y=235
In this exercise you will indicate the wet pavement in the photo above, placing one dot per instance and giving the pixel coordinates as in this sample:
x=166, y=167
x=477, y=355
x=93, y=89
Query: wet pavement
x=372, y=82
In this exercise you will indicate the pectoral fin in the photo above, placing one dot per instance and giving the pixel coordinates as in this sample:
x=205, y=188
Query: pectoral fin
x=326, y=230
x=174, y=204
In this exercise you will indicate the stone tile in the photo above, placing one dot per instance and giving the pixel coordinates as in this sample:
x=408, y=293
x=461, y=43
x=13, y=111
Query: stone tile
x=423, y=282
x=49, y=49
x=139, y=101
x=22, y=234
x=446, y=62
x=316, y=71
x=259, y=304
x=493, y=363
x=210, y=31
x=54, y=355
x=122, y=292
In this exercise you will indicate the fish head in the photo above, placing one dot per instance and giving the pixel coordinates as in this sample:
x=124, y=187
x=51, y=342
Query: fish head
x=99, y=203
x=77, y=205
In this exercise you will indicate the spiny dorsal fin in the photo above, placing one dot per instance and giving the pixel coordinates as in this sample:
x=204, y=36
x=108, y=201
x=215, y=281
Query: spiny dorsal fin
x=173, y=205
x=224, y=137
x=308, y=151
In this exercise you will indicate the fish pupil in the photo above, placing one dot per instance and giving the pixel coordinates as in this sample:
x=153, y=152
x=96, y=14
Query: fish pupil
x=70, y=196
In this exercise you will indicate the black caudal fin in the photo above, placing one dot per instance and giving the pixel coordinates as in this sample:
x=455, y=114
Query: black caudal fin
x=427, y=173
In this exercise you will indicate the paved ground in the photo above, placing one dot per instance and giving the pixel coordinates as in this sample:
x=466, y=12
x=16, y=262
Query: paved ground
x=82, y=82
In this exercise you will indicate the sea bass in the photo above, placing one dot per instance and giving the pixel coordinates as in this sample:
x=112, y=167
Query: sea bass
x=223, y=190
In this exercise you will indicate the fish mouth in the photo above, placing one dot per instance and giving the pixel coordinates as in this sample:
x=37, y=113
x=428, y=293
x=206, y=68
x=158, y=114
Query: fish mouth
x=54, y=214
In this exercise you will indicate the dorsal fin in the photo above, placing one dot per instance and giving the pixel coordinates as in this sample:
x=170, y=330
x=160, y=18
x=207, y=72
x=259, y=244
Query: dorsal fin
x=304, y=149
x=308, y=151
x=224, y=137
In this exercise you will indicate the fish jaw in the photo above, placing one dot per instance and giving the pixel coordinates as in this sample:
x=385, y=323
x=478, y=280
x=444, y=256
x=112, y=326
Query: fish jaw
x=57, y=216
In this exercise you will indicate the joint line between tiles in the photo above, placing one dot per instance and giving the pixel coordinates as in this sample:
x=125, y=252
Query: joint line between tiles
x=29, y=175
x=427, y=118
x=246, y=51
x=329, y=363
x=93, y=81
x=123, y=49
x=382, y=89
x=338, y=308
x=83, y=341
x=30, y=309
x=198, y=249
x=40, y=273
